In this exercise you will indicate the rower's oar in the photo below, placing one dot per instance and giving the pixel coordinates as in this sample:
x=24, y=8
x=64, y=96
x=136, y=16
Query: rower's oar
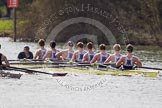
x=104, y=64
x=151, y=68
x=23, y=60
x=37, y=63
x=35, y=71
x=91, y=64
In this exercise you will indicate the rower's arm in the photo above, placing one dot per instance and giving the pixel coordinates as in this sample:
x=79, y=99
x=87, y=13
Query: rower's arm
x=4, y=58
x=137, y=62
x=85, y=57
x=108, y=59
x=94, y=59
x=46, y=55
x=120, y=62
x=59, y=55
x=74, y=57
x=36, y=55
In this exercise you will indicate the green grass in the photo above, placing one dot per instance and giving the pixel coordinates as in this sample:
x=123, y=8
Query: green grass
x=7, y=25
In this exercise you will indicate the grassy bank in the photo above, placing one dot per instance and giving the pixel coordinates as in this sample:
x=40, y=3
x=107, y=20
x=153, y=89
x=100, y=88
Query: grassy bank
x=6, y=25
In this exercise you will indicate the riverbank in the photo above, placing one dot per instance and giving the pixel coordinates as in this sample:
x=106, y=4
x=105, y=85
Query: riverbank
x=133, y=40
x=140, y=20
x=6, y=27
x=6, y=30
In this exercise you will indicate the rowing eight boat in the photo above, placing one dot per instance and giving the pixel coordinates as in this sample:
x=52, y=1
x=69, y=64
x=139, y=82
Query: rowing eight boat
x=108, y=71
x=87, y=69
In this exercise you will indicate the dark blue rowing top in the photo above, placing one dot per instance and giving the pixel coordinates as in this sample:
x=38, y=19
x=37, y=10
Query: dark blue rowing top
x=22, y=55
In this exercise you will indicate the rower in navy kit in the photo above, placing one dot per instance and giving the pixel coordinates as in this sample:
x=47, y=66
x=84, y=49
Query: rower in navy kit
x=101, y=56
x=90, y=53
x=129, y=61
x=51, y=54
x=66, y=55
x=78, y=55
x=25, y=54
x=114, y=57
x=42, y=51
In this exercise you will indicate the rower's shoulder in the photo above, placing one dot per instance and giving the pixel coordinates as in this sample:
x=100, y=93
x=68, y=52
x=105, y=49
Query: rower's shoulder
x=135, y=58
x=123, y=57
x=86, y=54
x=20, y=53
x=3, y=56
x=111, y=55
x=49, y=51
x=38, y=50
x=97, y=54
x=63, y=51
x=75, y=52
x=84, y=51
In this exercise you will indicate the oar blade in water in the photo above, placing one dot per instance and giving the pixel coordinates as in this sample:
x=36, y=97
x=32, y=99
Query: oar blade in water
x=17, y=76
x=59, y=74
x=11, y=75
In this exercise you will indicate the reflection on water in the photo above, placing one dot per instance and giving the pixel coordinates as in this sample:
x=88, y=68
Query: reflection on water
x=117, y=92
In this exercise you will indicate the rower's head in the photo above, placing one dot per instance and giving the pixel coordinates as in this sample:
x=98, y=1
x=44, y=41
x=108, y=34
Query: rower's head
x=117, y=47
x=80, y=45
x=70, y=44
x=52, y=44
x=26, y=49
x=102, y=48
x=129, y=48
x=41, y=42
x=89, y=45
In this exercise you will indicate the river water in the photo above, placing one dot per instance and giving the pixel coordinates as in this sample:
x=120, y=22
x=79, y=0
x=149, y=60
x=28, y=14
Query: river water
x=83, y=90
